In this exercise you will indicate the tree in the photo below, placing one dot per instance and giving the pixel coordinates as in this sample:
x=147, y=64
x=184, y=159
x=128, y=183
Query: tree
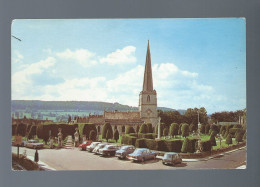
x=192, y=127
x=185, y=145
x=116, y=135
x=143, y=129
x=185, y=130
x=212, y=140
x=239, y=137
x=105, y=127
x=92, y=135
x=165, y=132
x=109, y=134
x=129, y=129
x=207, y=127
x=69, y=119
x=202, y=128
x=223, y=133
x=174, y=129
x=228, y=140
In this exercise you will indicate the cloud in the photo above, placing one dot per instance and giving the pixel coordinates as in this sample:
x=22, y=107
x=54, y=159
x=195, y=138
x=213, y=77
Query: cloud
x=83, y=56
x=21, y=80
x=18, y=57
x=120, y=56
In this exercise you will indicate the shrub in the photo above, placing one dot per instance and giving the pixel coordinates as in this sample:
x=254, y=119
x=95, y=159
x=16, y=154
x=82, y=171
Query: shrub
x=92, y=135
x=140, y=143
x=109, y=135
x=212, y=140
x=213, y=133
x=149, y=128
x=233, y=131
x=185, y=129
x=206, y=145
x=223, y=133
x=188, y=145
x=222, y=128
x=174, y=129
x=116, y=135
x=165, y=132
x=129, y=129
x=89, y=127
x=151, y=144
x=244, y=137
x=105, y=128
x=129, y=140
x=147, y=135
x=202, y=129
x=133, y=134
x=239, y=136
x=179, y=130
x=192, y=128
x=228, y=140
x=32, y=132
x=21, y=129
x=207, y=127
x=143, y=129
x=214, y=128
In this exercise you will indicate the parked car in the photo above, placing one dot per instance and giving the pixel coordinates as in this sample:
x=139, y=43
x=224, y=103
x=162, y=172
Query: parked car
x=142, y=154
x=124, y=151
x=98, y=147
x=35, y=144
x=84, y=145
x=109, y=150
x=92, y=146
x=171, y=158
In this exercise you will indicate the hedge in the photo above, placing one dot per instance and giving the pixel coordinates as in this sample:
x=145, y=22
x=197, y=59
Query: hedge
x=149, y=128
x=133, y=134
x=21, y=129
x=189, y=146
x=228, y=139
x=143, y=129
x=147, y=135
x=129, y=140
x=32, y=132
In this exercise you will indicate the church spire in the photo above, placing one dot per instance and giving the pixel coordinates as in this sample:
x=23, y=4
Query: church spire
x=148, y=78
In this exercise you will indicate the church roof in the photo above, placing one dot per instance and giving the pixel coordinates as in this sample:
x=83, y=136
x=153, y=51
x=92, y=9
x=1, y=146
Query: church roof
x=148, y=78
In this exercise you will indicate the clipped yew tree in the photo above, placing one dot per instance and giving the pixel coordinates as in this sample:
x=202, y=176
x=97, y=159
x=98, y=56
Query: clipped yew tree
x=239, y=137
x=192, y=127
x=202, y=129
x=165, y=132
x=149, y=128
x=174, y=129
x=105, y=128
x=185, y=145
x=207, y=127
x=92, y=135
x=212, y=140
x=109, y=135
x=229, y=139
x=116, y=135
x=143, y=129
x=185, y=130
x=129, y=129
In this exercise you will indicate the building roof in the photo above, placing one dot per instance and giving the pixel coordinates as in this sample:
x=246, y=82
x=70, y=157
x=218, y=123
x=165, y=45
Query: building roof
x=148, y=78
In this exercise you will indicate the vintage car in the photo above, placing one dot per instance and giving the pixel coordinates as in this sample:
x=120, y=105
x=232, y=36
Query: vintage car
x=92, y=146
x=124, y=151
x=142, y=154
x=98, y=147
x=109, y=150
x=171, y=158
x=84, y=145
x=35, y=144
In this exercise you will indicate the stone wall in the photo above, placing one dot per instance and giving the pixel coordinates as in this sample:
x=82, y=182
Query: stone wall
x=121, y=115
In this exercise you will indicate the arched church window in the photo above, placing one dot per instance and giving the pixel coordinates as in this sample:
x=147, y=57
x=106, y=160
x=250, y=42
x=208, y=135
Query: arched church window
x=148, y=98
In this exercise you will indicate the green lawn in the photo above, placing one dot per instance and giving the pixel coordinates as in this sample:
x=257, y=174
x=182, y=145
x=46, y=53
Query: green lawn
x=110, y=140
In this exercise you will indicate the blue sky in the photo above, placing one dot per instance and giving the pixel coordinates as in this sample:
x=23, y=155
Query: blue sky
x=196, y=62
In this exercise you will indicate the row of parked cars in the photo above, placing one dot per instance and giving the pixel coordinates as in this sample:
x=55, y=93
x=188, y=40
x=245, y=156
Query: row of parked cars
x=128, y=152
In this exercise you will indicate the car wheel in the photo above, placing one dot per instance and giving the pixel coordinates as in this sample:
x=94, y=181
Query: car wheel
x=163, y=163
x=154, y=157
x=142, y=160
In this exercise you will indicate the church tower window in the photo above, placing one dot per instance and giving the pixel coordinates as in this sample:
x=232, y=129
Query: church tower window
x=148, y=98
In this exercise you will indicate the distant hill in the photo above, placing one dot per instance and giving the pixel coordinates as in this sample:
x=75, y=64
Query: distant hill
x=37, y=105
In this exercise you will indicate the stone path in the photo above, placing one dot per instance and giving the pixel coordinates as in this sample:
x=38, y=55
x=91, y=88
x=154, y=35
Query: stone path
x=69, y=144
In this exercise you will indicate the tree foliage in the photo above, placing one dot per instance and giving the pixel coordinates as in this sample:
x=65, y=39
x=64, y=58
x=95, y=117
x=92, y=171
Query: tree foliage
x=105, y=128
x=174, y=129
x=185, y=130
x=129, y=129
x=228, y=139
x=116, y=135
x=92, y=135
x=143, y=128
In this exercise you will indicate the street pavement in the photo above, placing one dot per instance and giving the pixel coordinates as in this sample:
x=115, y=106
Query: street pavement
x=74, y=159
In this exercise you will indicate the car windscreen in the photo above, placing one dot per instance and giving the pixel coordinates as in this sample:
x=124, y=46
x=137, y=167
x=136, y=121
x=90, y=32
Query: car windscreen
x=138, y=151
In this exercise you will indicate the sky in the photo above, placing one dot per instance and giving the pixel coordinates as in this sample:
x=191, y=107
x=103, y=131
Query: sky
x=195, y=62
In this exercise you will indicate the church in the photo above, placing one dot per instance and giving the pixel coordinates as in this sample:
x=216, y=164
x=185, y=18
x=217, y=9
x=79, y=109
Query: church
x=147, y=106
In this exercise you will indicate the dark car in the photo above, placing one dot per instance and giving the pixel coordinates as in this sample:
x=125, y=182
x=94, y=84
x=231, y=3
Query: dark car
x=109, y=150
x=142, y=154
x=84, y=145
x=92, y=146
x=171, y=158
x=124, y=151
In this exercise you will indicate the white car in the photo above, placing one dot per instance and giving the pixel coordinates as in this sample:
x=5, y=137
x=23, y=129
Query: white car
x=98, y=147
x=35, y=144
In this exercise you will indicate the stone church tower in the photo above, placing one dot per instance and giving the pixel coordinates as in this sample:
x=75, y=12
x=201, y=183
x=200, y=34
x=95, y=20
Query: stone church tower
x=148, y=96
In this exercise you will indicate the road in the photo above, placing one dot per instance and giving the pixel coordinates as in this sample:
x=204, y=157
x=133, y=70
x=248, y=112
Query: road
x=74, y=159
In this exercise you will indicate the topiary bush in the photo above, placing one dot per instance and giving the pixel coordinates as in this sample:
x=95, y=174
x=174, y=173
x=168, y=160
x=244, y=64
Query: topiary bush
x=143, y=129
x=32, y=132
x=129, y=129
x=109, y=135
x=185, y=130
x=212, y=140
x=147, y=135
x=21, y=129
x=185, y=145
x=229, y=139
x=116, y=135
x=206, y=145
x=165, y=132
x=202, y=129
x=192, y=128
x=174, y=129
x=149, y=128
x=129, y=140
x=140, y=143
x=105, y=128
x=207, y=127
x=239, y=136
